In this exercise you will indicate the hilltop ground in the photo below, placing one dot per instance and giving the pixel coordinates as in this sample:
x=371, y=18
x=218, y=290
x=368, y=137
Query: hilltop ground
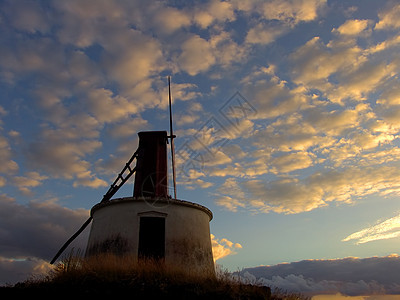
x=111, y=276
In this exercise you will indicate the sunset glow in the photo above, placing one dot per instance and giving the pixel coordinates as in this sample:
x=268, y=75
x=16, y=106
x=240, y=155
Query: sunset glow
x=286, y=112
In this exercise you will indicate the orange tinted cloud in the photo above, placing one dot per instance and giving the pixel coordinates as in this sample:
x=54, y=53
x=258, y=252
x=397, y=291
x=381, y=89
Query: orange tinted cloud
x=223, y=247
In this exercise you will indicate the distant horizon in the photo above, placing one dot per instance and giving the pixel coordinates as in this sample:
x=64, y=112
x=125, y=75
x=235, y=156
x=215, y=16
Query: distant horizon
x=344, y=297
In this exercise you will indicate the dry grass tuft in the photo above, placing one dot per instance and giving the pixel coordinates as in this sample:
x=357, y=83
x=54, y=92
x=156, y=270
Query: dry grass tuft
x=110, y=267
x=279, y=294
x=111, y=275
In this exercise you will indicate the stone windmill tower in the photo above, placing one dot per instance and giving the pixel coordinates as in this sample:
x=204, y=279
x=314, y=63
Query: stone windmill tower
x=151, y=224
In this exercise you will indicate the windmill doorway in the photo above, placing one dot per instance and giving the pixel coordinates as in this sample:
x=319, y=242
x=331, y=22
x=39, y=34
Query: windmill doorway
x=152, y=238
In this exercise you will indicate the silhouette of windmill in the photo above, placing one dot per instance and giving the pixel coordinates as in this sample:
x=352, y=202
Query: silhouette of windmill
x=151, y=224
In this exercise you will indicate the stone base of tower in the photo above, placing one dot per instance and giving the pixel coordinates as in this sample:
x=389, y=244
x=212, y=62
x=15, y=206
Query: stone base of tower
x=175, y=232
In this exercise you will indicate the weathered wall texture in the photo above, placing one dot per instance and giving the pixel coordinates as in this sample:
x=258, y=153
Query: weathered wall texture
x=116, y=225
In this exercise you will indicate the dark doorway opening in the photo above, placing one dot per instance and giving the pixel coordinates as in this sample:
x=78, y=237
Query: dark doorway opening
x=152, y=238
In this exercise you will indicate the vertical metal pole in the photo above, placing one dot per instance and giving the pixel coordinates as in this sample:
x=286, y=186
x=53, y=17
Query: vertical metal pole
x=171, y=132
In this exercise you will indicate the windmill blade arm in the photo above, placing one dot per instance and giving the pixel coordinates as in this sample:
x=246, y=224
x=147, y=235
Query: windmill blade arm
x=171, y=136
x=120, y=180
x=173, y=165
x=70, y=240
x=112, y=190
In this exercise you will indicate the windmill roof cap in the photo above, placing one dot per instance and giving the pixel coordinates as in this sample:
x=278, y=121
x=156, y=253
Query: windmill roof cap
x=160, y=200
x=159, y=132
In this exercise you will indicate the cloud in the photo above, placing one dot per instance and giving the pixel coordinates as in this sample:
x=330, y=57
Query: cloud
x=128, y=128
x=111, y=47
x=287, y=13
x=223, y=247
x=169, y=19
x=196, y=55
x=8, y=165
x=281, y=196
x=387, y=229
x=97, y=65
x=273, y=99
x=229, y=203
x=32, y=233
x=199, y=55
x=348, y=276
x=227, y=51
x=292, y=11
x=19, y=270
x=62, y=158
x=124, y=54
x=285, y=135
x=389, y=17
x=66, y=134
x=141, y=56
x=385, y=45
x=351, y=139
x=308, y=286
x=367, y=78
x=327, y=112
x=354, y=139
x=292, y=195
x=352, y=27
x=341, y=69
x=125, y=135
x=390, y=97
x=314, y=62
x=265, y=34
x=88, y=179
x=23, y=57
x=83, y=23
x=29, y=17
x=192, y=184
x=107, y=107
x=45, y=227
x=213, y=11
x=333, y=122
x=182, y=92
x=30, y=180
x=291, y=162
x=60, y=148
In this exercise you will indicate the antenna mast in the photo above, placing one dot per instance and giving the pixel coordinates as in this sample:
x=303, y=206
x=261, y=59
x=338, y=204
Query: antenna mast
x=172, y=136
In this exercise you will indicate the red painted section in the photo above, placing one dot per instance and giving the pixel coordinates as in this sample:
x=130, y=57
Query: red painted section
x=151, y=179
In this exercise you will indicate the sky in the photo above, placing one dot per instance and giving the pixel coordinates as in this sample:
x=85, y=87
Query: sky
x=351, y=276
x=287, y=116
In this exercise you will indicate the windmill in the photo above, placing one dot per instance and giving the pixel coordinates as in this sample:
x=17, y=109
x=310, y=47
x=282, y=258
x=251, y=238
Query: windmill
x=151, y=224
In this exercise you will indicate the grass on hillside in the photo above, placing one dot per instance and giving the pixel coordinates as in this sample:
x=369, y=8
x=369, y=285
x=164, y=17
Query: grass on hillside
x=111, y=275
